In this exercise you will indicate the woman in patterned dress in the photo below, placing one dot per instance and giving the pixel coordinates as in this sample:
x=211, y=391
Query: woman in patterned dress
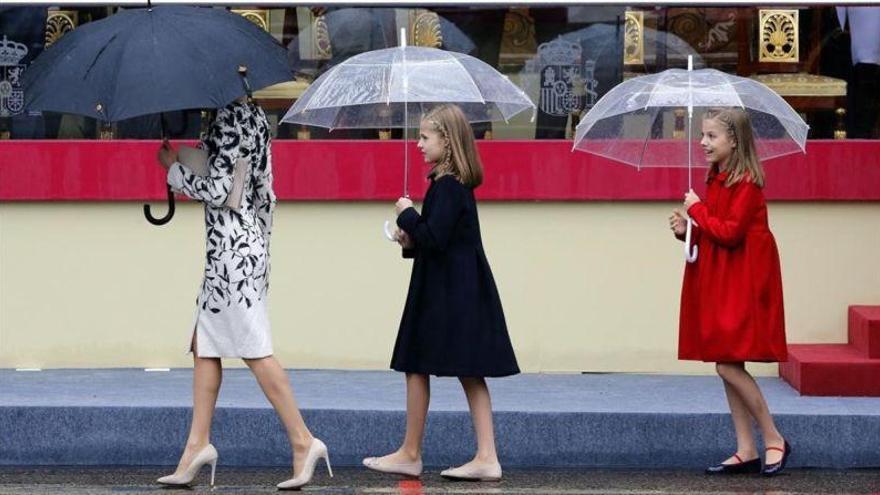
x=231, y=318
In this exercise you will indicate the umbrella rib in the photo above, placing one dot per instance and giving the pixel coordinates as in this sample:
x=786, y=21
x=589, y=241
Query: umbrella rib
x=789, y=118
x=390, y=78
x=469, y=78
x=319, y=88
x=100, y=52
x=203, y=58
x=727, y=83
x=648, y=138
x=115, y=85
x=663, y=75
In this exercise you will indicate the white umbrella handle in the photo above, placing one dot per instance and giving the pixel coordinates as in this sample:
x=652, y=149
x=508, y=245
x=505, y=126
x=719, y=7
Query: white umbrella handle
x=388, y=230
x=689, y=255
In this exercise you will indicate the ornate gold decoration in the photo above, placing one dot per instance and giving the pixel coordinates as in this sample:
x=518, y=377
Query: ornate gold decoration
x=259, y=17
x=634, y=39
x=709, y=29
x=721, y=33
x=58, y=23
x=288, y=90
x=303, y=133
x=840, y=125
x=779, y=36
x=321, y=39
x=107, y=132
x=518, y=42
x=801, y=84
x=424, y=27
x=689, y=24
x=678, y=130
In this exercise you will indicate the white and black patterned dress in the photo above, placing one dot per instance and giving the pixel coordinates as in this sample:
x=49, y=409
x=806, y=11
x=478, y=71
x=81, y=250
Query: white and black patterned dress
x=232, y=318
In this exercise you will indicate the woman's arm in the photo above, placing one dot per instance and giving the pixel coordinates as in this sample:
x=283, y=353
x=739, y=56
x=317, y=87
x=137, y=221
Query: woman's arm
x=215, y=188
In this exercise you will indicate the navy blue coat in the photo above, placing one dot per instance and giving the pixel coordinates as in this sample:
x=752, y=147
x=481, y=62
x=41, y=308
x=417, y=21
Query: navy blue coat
x=453, y=323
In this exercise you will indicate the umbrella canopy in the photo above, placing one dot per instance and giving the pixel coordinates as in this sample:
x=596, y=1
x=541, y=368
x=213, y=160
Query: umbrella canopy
x=392, y=87
x=153, y=60
x=145, y=61
x=643, y=121
x=647, y=121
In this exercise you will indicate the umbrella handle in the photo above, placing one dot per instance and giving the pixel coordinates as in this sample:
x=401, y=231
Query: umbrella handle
x=167, y=217
x=689, y=255
x=388, y=231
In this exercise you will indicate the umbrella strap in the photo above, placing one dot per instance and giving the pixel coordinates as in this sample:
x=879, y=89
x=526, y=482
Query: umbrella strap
x=242, y=71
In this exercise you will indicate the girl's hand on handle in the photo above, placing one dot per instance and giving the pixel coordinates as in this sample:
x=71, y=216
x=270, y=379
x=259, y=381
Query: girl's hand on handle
x=677, y=222
x=166, y=155
x=402, y=204
x=690, y=199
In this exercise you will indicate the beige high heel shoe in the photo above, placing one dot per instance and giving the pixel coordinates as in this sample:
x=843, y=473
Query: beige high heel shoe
x=316, y=451
x=207, y=455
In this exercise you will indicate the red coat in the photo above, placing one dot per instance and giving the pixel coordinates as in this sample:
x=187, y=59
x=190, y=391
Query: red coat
x=731, y=298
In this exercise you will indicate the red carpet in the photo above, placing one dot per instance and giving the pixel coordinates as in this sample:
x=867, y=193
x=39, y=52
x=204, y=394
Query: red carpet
x=851, y=369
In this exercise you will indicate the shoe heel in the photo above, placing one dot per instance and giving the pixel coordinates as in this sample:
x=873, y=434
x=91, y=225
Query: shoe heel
x=327, y=462
x=213, y=470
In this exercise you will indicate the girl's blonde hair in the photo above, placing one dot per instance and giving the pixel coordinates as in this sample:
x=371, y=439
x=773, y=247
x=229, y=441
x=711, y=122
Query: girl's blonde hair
x=743, y=162
x=460, y=158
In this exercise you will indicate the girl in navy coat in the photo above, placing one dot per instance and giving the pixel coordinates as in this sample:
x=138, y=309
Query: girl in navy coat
x=453, y=323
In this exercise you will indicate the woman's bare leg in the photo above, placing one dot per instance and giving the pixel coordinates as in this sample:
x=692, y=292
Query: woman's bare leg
x=276, y=386
x=207, y=376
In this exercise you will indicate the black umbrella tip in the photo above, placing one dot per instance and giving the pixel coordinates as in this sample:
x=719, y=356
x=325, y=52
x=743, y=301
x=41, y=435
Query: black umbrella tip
x=242, y=69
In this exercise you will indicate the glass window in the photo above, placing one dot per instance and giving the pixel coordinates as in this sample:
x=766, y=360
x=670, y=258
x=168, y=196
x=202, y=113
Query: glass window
x=824, y=60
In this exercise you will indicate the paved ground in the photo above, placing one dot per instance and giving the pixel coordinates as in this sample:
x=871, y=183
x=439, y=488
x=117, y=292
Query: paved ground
x=80, y=481
x=132, y=417
x=385, y=391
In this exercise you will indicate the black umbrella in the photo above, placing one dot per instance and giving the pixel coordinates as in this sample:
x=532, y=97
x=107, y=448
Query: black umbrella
x=147, y=61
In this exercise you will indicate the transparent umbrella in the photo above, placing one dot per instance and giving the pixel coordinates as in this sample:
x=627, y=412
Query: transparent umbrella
x=393, y=87
x=647, y=121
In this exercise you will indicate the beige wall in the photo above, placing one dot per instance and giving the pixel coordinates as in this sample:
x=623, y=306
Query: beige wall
x=586, y=286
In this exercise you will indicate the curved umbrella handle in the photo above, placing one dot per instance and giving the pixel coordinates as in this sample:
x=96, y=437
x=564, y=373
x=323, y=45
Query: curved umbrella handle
x=689, y=255
x=167, y=217
x=388, y=231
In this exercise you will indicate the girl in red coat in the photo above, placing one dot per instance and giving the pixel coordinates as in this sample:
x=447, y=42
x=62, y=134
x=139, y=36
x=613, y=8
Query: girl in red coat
x=731, y=298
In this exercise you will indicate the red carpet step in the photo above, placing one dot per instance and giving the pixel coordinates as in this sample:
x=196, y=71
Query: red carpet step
x=864, y=329
x=851, y=369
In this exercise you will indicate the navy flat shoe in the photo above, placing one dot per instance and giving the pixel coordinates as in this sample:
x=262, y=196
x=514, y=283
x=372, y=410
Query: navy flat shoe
x=777, y=467
x=742, y=467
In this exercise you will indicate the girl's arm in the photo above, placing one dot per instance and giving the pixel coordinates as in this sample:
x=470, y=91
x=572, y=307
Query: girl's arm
x=213, y=189
x=731, y=229
x=446, y=208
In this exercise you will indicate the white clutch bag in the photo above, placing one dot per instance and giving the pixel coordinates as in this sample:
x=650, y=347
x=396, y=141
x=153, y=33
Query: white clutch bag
x=196, y=159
